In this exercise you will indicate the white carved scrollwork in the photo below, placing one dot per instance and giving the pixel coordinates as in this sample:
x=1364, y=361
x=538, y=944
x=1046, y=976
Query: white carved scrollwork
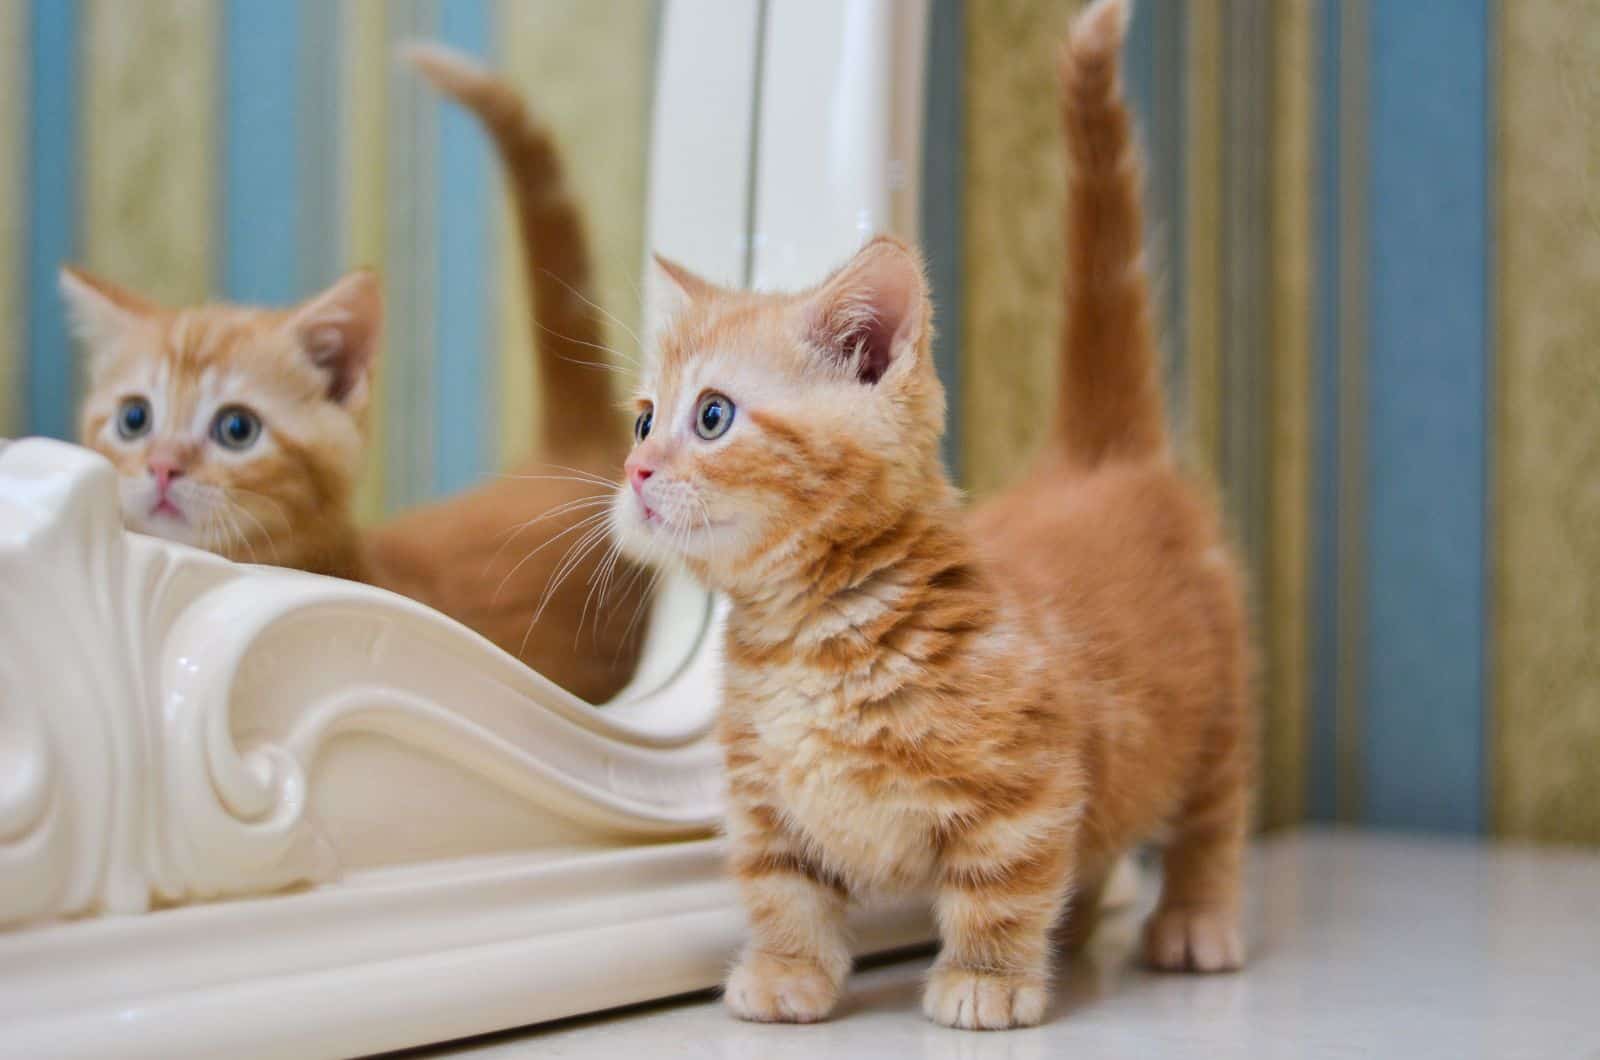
x=174, y=726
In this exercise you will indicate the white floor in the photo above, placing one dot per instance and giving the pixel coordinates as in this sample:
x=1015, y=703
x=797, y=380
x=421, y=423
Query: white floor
x=1362, y=945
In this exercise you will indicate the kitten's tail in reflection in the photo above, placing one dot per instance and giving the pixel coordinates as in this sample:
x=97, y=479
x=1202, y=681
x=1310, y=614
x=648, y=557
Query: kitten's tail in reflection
x=579, y=410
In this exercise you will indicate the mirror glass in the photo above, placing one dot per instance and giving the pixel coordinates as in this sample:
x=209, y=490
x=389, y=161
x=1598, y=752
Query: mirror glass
x=191, y=155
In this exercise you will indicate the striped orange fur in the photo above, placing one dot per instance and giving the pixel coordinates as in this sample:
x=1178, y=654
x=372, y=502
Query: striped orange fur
x=988, y=706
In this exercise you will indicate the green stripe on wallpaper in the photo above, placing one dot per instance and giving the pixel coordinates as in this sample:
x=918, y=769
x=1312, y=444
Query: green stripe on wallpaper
x=13, y=189
x=1014, y=183
x=1340, y=517
x=318, y=152
x=149, y=145
x=364, y=70
x=1286, y=601
x=1202, y=199
x=1546, y=563
x=409, y=256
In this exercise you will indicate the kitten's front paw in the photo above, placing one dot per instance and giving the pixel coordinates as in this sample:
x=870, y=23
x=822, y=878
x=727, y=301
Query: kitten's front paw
x=1204, y=939
x=979, y=1001
x=772, y=989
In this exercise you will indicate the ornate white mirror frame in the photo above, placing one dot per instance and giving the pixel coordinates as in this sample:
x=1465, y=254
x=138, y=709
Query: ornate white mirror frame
x=248, y=811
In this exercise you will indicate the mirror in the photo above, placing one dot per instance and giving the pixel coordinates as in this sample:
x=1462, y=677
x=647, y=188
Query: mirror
x=491, y=404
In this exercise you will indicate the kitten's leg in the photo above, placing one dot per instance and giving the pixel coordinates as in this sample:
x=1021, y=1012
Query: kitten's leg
x=797, y=959
x=1083, y=909
x=1195, y=926
x=997, y=913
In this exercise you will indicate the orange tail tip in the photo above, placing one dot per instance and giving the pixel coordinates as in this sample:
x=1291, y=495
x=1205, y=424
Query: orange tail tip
x=1110, y=403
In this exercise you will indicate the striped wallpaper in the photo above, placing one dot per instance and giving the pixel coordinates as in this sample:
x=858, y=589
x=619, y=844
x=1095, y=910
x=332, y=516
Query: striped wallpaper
x=1378, y=228
x=255, y=150
x=1376, y=222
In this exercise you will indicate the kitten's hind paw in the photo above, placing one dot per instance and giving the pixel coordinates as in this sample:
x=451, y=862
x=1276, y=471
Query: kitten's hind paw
x=979, y=1001
x=772, y=989
x=1203, y=939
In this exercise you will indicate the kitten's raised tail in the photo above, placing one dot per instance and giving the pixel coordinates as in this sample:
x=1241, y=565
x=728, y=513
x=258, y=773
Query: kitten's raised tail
x=576, y=396
x=1111, y=404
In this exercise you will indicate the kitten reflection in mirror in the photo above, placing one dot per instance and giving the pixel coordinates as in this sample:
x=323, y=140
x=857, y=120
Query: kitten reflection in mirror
x=237, y=429
x=242, y=430
x=989, y=706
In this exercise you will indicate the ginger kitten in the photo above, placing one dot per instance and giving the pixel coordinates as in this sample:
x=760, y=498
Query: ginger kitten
x=989, y=707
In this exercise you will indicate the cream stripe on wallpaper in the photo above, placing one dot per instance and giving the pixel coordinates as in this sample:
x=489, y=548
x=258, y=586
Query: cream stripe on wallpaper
x=1015, y=176
x=13, y=227
x=551, y=51
x=150, y=149
x=1545, y=717
x=363, y=185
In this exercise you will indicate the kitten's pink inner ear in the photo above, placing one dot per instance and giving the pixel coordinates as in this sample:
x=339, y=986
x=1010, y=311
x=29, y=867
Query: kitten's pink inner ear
x=872, y=309
x=339, y=331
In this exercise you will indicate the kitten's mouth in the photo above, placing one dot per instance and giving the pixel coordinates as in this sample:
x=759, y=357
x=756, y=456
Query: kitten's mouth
x=164, y=506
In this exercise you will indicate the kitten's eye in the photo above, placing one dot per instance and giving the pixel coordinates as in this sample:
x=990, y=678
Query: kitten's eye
x=133, y=418
x=714, y=416
x=642, y=425
x=236, y=428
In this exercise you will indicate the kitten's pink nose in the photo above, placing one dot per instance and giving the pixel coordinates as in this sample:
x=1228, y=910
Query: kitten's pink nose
x=637, y=473
x=164, y=472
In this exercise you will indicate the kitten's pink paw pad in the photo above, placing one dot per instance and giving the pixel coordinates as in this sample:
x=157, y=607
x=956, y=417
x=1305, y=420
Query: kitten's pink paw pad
x=1194, y=940
x=770, y=989
x=975, y=1001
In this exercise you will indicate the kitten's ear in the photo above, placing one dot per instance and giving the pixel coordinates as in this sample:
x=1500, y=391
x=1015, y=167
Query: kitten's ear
x=98, y=309
x=669, y=290
x=874, y=311
x=339, y=330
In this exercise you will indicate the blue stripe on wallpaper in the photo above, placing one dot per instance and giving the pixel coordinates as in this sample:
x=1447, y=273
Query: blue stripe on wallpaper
x=1139, y=61
x=1322, y=760
x=261, y=168
x=51, y=212
x=1155, y=64
x=464, y=434
x=1427, y=377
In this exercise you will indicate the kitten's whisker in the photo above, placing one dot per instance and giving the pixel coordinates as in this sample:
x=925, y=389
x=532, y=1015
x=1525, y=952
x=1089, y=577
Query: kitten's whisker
x=277, y=508
x=557, y=478
x=615, y=369
x=265, y=533
x=639, y=571
x=512, y=533
x=595, y=580
x=596, y=306
x=639, y=608
x=593, y=539
x=585, y=521
x=585, y=474
x=584, y=342
x=570, y=562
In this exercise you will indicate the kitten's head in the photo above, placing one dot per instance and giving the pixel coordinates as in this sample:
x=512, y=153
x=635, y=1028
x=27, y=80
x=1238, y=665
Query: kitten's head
x=232, y=428
x=771, y=423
